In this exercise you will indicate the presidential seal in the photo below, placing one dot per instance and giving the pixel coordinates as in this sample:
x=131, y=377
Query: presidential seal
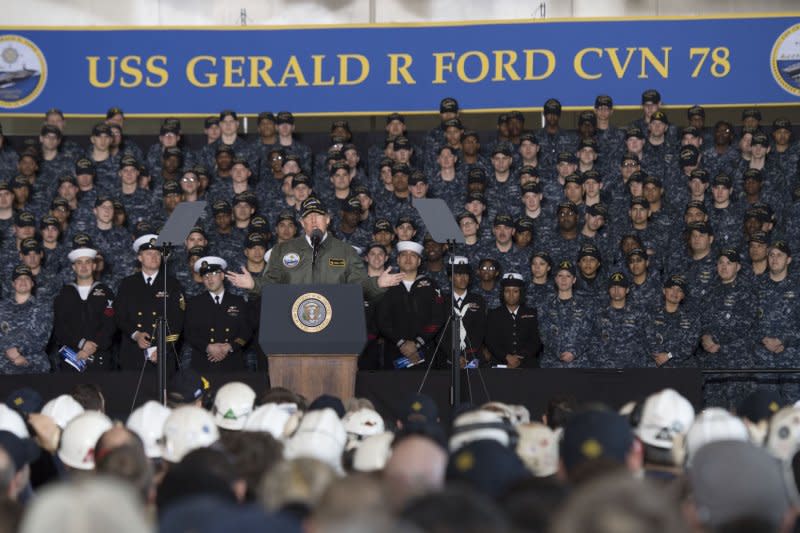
x=23, y=71
x=785, y=60
x=311, y=312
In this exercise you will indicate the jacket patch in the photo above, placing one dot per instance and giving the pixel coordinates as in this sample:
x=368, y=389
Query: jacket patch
x=334, y=262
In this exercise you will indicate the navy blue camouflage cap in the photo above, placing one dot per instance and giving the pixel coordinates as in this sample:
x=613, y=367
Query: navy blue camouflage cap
x=81, y=240
x=699, y=174
x=339, y=164
x=696, y=111
x=311, y=206
x=690, y=130
x=589, y=250
x=448, y=105
x=211, y=121
x=641, y=201
x=266, y=115
x=653, y=180
x=503, y=219
x=247, y=197
x=391, y=117
x=524, y=224
x=476, y=196
x=401, y=168
x=759, y=237
x=567, y=157
x=466, y=214
x=361, y=189
x=751, y=113
x=753, y=174
x=592, y=174
x=20, y=182
x=49, y=129
x=453, y=123
x=170, y=187
x=782, y=124
x=573, y=178
x=170, y=127
x=255, y=239
x=587, y=117
x=476, y=175
x=22, y=270
x=471, y=133
x=528, y=136
x=723, y=180
x=223, y=148
x=689, y=155
x=239, y=160
x=340, y=124
x=221, y=206
x=567, y=206
x=284, y=117
x=634, y=131
x=618, y=279
x=544, y=255
x=780, y=245
x=287, y=214
x=58, y=203
x=533, y=187
x=101, y=128
x=300, y=179
x=4, y=185
x=352, y=205
x=587, y=143
x=593, y=435
x=503, y=148
x=760, y=138
x=24, y=219
x=552, y=107
x=30, y=245
x=173, y=151
x=85, y=166
x=405, y=220
x=659, y=116
x=677, y=280
x=565, y=264
x=382, y=225
x=401, y=143
x=603, y=100
x=49, y=220
x=731, y=254
x=417, y=177
x=225, y=113
x=128, y=161
x=629, y=157
x=259, y=223
x=636, y=252
x=651, y=96
x=702, y=227
x=597, y=210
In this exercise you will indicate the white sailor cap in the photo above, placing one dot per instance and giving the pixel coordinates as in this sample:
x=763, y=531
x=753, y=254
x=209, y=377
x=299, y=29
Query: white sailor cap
x=77, y=253
x=145, y=242
x=409, y=246
x=210, y=263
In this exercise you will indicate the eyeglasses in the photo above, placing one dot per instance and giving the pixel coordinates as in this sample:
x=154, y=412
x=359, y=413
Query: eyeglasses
x=188, y=178
x=630, y=164
x=488, y=268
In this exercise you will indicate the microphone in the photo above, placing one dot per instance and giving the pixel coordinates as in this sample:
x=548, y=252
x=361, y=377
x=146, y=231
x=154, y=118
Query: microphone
x=316, y=238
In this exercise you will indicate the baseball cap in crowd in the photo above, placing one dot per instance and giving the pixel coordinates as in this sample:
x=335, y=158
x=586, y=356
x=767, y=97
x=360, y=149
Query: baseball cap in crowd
x=712, y=425
x=487, y=466
x=327, y=401
x=733, y=480
x=593, y=435
x=760, y=405
x=783, y=438
x=22, y=451
x=25, y=400
x=186, y=386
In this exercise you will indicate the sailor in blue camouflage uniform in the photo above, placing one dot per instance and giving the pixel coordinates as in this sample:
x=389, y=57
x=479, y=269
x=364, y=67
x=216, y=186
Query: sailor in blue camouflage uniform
x=229, y=136
x=617, y=336
x=777, y=329
x=727, y=321
x=139, y=203
x=725, y=215
x=284, y=120
x=646, y=287
x=221, y=235
x=502, y=182
x=541, y=285
x=448, y=110
x=701, y=265
x=563, y=243
x=502, y=247
x=487, y=279
x=111, y=241
x=191, y=282
x=552, y=139
x=446, y=180
x=610, y=139
x=8, y=158
x=564, y=322
x=25, y=326
x=672, y=330
x=55, y=162
x=590, y=277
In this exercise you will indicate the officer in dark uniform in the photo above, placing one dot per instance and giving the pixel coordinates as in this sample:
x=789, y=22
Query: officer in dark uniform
x=138, y=305
x=217, y=326
x=83, y=314
x=512, y=330
x=410, y=314
x=471, y=309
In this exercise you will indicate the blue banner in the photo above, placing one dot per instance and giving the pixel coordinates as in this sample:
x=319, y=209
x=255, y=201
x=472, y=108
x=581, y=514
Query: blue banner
x=407, y=68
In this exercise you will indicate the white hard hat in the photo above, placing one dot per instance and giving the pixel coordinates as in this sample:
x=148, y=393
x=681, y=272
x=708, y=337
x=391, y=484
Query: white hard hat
x=478, y=425
x=62, y=409
x=373, y=452
x=783, y=439
x=269, y=418
x=321, y=436
x=79, y=438
x=233, y=404
x=361, y=424
x=147, y=421
x=665, y=415
x=187, y=428
x=538, y=448
x=12, y=421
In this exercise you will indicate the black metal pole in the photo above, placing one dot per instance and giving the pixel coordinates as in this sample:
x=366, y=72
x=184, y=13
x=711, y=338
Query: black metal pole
x=161, y=346
x=455, y=341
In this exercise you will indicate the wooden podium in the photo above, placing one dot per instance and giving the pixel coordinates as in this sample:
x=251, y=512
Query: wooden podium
x=313, y=335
